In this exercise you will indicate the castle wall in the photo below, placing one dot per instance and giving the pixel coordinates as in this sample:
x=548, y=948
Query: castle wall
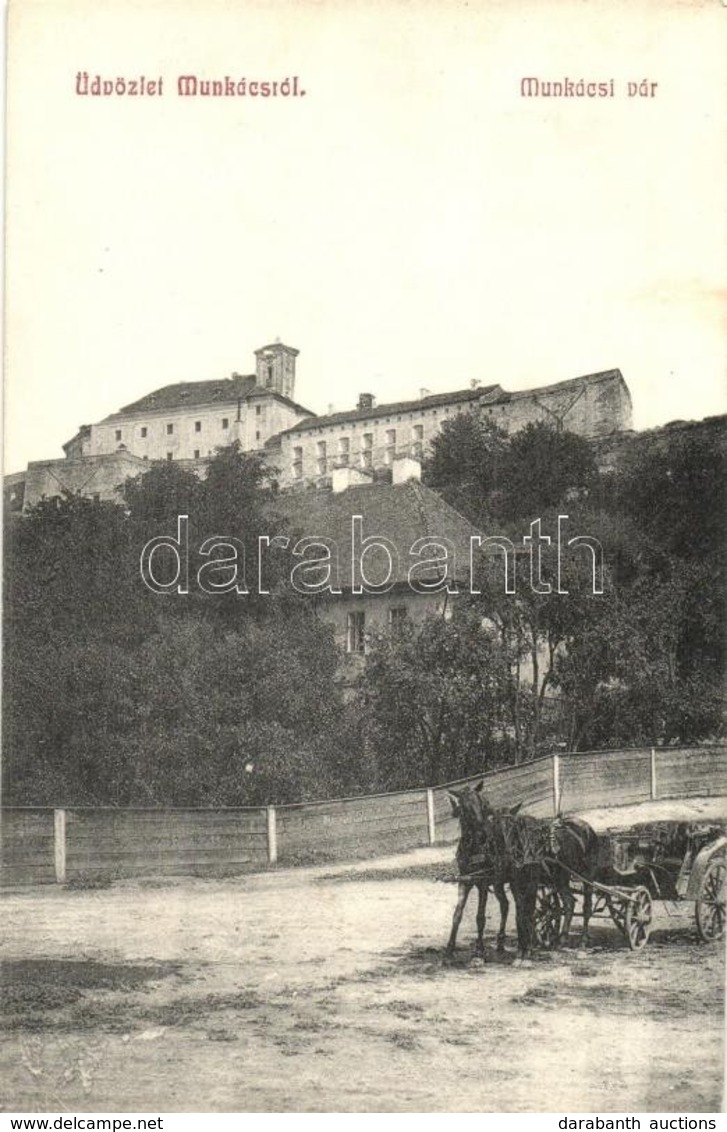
x=275, y=368
x=592, y=406
x=274, y=417
x=14, y=491
x=95, y=477
x=79, y=445
x=148, y=436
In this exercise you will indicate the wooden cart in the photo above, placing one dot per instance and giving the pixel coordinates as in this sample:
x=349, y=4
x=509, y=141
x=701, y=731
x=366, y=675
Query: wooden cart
x=668, y=860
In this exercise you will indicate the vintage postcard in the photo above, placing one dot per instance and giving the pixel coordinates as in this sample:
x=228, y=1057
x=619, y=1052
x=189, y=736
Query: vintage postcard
x=364, y=519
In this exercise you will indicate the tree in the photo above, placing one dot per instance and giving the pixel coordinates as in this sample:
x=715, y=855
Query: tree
x=676, y=491
x=535, y=625
x=627, y=678
x=70, y=567
x=432, y=696
x=644, y=661
x=116, y=694
x=191, y=717
x=487, y=474
x=465, y=463
x=155, y=498
x=544, y=468
x=239, y=565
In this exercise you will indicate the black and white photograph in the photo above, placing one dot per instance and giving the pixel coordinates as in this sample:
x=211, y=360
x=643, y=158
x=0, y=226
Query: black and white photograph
x=364, y=527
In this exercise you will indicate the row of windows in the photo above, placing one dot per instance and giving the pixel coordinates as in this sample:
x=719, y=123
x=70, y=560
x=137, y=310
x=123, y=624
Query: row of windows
x=343, y=456
x=196, y=454
x=356, y=627
x=144, y=431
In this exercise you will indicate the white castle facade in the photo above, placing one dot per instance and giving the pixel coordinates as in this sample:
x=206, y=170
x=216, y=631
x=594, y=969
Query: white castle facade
x=189, y=421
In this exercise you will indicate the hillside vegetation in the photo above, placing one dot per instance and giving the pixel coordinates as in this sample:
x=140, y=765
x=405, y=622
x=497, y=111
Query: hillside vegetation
x=118, y=695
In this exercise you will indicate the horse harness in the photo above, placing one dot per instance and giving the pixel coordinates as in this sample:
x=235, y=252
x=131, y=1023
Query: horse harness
x=519, y=841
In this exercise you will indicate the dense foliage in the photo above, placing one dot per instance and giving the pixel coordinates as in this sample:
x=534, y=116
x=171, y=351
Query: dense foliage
x=644, y=661
x=116, y=694
x=119, y=695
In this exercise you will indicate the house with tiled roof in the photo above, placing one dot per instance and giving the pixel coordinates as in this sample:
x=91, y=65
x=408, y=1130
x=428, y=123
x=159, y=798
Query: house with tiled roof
x=380, y=555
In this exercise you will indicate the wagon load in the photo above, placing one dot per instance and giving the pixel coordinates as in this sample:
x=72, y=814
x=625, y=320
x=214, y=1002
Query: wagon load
x=665, y=860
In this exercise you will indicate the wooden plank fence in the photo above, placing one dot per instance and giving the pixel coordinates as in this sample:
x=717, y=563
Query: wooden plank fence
x=28, y=846
x=113, y=843
x=77, y=844
x=605, y=778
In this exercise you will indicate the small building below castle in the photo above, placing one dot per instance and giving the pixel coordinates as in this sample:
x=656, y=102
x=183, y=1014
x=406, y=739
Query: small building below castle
x=413, y=555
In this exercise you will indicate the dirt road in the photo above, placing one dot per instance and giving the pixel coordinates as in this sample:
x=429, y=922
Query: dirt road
x=324, y=990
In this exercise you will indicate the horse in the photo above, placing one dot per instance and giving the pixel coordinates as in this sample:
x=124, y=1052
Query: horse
x=516, y=846
x=499, y=847
x=471, y=806
x=575, y=849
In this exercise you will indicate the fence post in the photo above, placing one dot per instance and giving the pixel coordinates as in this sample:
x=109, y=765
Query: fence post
x=59, y=845
x=556, y=785
x=430, y=817
x=653, y=775
x=272, y=835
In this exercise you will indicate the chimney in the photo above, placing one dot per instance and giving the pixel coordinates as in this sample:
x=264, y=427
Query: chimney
x=405, y=468
x=424, y=393
x=366, y=401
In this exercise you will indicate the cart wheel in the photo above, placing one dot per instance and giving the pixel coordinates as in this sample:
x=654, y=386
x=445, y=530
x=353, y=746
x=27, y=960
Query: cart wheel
x=710, y=906
x=548, y=916
x=637, y=923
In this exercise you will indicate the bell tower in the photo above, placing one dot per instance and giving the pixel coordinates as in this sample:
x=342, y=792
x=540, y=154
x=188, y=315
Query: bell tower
x=275, y=368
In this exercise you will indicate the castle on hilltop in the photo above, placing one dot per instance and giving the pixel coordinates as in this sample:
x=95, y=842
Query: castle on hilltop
x=188, y=421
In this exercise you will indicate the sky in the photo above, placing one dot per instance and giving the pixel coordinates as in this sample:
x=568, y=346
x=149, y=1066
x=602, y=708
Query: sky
x=412, y=221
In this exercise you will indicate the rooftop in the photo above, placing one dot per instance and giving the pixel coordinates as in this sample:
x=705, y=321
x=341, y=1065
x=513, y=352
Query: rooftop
x=191, y=393
x=487, y=393
x=569, y=383
x=399, y=513
x=188, y=394
x=434, y=399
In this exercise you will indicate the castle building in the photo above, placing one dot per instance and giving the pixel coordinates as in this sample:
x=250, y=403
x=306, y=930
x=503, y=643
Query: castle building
x=371, y=436
x=188, y=421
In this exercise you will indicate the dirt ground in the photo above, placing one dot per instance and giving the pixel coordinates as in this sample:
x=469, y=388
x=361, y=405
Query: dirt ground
x=325, y=990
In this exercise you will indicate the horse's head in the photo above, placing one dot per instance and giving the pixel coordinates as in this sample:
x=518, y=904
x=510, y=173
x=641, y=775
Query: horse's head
x=470, y=805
